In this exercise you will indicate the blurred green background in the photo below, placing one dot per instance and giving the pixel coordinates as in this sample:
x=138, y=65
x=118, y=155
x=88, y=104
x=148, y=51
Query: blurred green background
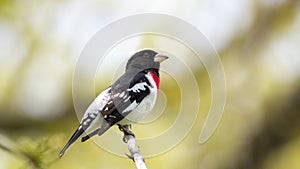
x=257, y=41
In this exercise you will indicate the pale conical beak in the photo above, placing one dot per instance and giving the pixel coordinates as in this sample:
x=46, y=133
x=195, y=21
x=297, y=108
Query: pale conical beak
x=160, y=58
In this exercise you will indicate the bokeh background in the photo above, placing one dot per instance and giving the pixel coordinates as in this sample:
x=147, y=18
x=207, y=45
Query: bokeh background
x=257, y=41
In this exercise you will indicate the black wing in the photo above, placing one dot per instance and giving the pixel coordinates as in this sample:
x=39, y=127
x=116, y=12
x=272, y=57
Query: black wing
x=127, y=94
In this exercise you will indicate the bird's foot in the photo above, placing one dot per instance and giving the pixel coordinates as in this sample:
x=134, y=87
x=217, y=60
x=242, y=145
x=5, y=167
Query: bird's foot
x=126, y=129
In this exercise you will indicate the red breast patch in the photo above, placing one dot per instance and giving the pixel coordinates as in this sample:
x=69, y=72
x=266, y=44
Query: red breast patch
x=155, y=78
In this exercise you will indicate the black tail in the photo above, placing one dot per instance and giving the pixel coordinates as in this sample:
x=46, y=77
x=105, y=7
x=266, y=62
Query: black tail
x=105, y=126
x=74, y=137
x=83, y=139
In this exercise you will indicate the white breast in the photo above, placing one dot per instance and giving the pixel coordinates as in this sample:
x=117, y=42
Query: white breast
x=146, y=105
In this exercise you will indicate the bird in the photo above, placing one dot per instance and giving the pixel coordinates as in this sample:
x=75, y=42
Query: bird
x=132, y=95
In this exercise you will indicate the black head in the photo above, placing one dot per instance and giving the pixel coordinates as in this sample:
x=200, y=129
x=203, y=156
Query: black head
x=145, y=59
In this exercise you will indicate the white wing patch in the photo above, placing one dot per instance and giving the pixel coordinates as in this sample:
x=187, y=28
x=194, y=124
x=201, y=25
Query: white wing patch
x=137, y=87
x=122, y=94
x=126, y=100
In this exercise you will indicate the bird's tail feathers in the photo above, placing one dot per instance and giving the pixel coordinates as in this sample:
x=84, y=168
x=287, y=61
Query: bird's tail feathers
x=105, y=126
x=91, y=134
x=74, y=137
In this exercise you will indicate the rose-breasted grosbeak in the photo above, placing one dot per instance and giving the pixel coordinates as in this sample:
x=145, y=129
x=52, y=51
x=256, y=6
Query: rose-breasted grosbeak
x=133, y=94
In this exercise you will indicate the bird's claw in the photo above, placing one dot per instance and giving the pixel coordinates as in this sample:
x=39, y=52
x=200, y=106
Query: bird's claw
x=126, y=129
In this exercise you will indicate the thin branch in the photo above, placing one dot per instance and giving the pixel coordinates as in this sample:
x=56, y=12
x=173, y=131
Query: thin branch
x=134, y=150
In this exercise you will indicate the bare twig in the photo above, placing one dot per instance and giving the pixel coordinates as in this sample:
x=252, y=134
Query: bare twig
x=134, y=150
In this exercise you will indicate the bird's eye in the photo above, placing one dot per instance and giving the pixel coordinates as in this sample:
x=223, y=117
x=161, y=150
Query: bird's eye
x=146, y=55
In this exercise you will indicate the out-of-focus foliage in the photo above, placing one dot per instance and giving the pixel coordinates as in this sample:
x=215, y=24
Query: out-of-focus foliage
x=258, y=43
